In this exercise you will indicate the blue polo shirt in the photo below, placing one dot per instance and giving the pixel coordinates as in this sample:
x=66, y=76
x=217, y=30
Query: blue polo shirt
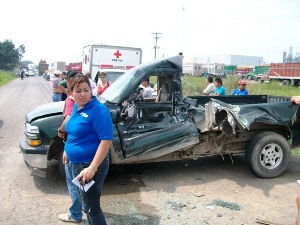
x=220, y=90
x=239, y=92
x=86, y=128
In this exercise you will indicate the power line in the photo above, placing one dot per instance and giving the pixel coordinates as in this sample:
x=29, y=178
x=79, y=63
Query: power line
x=156, y=47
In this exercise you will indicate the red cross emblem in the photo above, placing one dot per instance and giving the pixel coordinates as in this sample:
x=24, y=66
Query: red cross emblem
x=117, y=54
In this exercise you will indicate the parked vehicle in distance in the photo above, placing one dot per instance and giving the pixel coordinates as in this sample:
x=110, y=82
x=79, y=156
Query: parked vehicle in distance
x=244, y=70
x=258, y=70
x=172, y=126
x=47, y=74
x=286, y=73
x=261, y=78
x=74, y=66
x=42, y=68
x=230, y=69
x=97, y=57
x=31, y=72
x=61, y=66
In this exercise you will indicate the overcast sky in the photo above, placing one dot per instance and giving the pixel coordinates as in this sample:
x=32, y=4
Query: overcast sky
x=57, y=30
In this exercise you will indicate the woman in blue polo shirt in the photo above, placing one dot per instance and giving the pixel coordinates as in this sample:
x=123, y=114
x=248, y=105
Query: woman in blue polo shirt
x=90, y=136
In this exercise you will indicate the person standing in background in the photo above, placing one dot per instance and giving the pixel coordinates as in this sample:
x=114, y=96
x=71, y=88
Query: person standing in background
x=220, y=89
x=22, y=74
x=241, y=90
x=74, y=214
x=63, y=86
x=54, y=81
x=103, y=84
x=63, y=83
x=92, y=83
x=88, y=155
x=211, y=88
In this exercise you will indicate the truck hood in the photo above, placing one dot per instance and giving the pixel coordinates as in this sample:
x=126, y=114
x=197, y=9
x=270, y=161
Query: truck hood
x=54, y=108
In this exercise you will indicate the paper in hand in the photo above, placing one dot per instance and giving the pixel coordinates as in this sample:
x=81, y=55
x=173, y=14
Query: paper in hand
x=85, y=187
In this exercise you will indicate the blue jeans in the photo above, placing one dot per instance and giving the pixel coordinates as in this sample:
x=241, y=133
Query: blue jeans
x=75, y=209
x=91, y=199
x=56, y=97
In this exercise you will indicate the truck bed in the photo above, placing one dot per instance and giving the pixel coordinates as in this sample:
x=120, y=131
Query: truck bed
x=239, y=100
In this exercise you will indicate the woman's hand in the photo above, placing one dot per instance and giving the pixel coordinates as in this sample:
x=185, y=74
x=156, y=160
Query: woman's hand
x=60, y=135
x=65, y=158
x=296, y=100
x=86, y=175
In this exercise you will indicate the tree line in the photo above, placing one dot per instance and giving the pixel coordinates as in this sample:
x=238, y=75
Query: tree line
x=10, y=56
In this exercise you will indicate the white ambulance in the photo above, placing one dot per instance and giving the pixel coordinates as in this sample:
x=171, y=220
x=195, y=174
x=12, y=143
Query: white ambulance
x=97, y=57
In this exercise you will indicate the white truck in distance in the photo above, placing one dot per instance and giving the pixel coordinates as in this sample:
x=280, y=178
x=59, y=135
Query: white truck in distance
x=31, y=69
x=97, y=57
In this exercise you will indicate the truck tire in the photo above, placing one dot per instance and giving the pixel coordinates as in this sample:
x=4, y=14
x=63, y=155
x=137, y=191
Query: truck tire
x=286, y=82
x=259, y=80
x=268, y=154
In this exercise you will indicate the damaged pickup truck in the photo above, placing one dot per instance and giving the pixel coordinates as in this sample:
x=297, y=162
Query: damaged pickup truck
x=173, y=127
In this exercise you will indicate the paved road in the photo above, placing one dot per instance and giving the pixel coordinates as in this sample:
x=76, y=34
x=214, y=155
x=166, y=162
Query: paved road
x=186, y=192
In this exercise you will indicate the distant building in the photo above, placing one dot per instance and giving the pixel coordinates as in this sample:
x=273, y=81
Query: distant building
x=194, y=69
x=198, y=69
x=230, y=60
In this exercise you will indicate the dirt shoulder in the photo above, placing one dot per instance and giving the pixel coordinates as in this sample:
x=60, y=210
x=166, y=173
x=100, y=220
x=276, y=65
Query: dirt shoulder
x=206, y=191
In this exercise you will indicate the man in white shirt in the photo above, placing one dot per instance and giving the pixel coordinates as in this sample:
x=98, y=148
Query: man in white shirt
x=210, y=89
x=147, y=93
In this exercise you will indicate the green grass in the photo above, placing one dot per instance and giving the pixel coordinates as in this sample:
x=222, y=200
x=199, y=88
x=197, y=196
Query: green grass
x=6, y=77
x=195, y=85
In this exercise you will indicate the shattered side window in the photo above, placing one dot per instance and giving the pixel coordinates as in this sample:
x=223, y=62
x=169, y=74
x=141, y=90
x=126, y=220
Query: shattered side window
x=120, y=86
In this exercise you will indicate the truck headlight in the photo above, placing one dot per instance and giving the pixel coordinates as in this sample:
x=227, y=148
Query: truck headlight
x=31, y=129
x=32, y=135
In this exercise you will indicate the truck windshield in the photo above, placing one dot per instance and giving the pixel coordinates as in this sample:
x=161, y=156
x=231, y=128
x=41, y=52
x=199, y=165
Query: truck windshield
x=113, y=75
x=118, y=88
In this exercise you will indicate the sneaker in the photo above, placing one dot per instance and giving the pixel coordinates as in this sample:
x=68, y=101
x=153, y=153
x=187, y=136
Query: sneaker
x=66, y=217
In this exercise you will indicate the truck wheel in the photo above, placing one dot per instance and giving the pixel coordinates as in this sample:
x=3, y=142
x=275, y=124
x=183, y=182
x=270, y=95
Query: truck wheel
x=62, y=171
x=268, y=154
x=286, y=82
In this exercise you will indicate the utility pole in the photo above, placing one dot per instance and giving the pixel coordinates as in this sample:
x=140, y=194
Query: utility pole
x=156, y=47
x=182, y=35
